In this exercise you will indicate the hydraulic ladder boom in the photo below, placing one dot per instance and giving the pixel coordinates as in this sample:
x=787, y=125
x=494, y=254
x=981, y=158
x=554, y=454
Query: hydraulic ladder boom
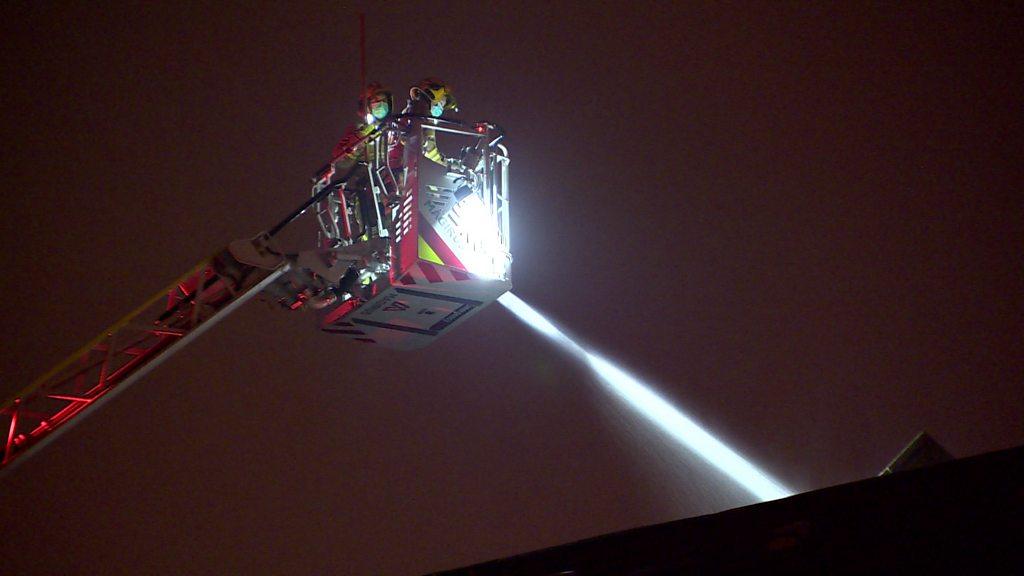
x=150, y=334
x=127, y=351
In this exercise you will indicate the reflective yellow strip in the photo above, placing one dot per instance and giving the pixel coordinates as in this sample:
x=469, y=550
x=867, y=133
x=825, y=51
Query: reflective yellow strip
x=427, y=253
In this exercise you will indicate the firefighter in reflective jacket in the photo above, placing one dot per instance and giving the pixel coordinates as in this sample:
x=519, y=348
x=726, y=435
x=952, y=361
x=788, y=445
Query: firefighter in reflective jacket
x=375, y=107
x=429, y=97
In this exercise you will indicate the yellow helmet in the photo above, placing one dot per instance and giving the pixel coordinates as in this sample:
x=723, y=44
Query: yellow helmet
x=437, y=93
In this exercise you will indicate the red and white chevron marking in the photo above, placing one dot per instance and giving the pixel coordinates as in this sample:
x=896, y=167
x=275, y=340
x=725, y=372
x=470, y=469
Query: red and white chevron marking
x=403, y=221
x=427, y=273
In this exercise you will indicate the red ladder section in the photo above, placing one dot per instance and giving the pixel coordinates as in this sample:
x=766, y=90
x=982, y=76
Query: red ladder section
x=125, y=352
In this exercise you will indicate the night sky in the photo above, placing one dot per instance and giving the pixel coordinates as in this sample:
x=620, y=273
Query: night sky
x=804, y=226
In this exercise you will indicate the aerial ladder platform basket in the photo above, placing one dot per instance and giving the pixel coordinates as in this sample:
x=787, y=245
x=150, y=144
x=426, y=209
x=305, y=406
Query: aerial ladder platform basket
x=448, y=229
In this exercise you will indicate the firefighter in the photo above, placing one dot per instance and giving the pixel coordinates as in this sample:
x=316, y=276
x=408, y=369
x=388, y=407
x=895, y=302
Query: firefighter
x=375, y=107
x=430, y=97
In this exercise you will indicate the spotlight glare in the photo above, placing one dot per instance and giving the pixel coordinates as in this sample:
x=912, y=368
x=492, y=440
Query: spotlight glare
x=482, y=251
x=537, y=321
x=655, y=408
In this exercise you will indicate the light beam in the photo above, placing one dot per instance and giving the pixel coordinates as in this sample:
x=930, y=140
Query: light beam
x=642, y=398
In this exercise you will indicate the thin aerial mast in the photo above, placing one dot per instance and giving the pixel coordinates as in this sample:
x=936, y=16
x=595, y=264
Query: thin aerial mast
x=362, y=61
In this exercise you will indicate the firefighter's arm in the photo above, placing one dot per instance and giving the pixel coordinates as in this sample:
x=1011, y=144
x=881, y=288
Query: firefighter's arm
x=353, y=141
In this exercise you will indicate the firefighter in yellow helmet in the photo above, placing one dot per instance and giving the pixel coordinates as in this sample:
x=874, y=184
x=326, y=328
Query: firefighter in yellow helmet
x=431, y=97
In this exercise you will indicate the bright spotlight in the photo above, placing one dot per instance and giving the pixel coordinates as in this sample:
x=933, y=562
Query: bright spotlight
x=481, y=249
x=659, y=411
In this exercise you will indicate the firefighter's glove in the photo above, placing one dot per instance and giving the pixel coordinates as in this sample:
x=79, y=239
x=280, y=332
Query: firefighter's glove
x=454, y=165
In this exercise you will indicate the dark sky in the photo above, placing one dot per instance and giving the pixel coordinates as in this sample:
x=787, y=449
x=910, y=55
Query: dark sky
x=804, y=225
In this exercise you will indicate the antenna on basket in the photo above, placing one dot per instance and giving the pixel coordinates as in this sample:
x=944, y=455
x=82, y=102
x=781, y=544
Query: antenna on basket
x=362, y=60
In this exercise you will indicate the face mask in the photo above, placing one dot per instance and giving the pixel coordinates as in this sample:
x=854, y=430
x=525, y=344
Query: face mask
x=379, y=110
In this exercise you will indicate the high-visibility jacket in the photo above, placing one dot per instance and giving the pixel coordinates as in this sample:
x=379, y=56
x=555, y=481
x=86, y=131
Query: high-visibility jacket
x=428, y=145
x=352, y=141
